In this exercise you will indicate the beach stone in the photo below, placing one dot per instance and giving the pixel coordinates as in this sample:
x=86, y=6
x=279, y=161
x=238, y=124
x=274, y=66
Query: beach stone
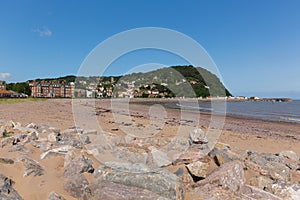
x=45, y=146
x=90, y=132
x=7, y=192
x=18, y=148
x=56, y=152
x=32, y=136
x=6, y=161
x=78, y=165
x=52, y=137
x=285, y=190
x=290, y=155
x=250, y=193
x=76, y=185
x=160, y=158
x=261, y=182
x=198, y=169
x=130, y=154
x=54, y=196
x=7, y=141
x=69, y=139
x=32, y=125
x=128, y=139
x=2, y=132
x=197, y=136
x=157, y=180
x=86, y=139
x=32, y=167
x=179, y=144
x=102, y=190
x=268, y=165
x=222, y=156
x=230, y=176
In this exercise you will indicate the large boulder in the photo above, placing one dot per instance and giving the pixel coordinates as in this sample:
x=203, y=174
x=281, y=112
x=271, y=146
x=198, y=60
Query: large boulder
x=102, y=190
x=268, y=165
x=157, y=180
x=229, y=176
x=78, y=165
x=198, y=169
x=76, y=185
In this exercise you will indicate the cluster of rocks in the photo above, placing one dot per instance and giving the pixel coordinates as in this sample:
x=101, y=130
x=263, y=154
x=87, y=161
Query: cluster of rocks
x=148, y=168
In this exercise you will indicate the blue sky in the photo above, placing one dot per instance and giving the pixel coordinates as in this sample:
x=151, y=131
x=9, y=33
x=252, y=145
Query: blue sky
x=255, y=44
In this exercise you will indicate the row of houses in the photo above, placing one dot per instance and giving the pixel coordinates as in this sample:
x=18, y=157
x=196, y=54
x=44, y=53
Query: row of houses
x=52, y=89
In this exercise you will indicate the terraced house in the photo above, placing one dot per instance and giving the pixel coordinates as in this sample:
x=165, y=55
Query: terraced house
x=52, y=89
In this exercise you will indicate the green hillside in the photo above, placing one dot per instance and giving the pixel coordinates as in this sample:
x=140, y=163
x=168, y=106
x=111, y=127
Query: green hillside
x=185, y=81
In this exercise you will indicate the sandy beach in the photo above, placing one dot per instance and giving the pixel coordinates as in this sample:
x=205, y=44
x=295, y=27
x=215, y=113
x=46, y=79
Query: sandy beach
x=240, y=133
x=246, y=134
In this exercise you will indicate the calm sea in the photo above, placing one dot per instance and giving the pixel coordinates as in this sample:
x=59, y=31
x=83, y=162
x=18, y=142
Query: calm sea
x=274, y=111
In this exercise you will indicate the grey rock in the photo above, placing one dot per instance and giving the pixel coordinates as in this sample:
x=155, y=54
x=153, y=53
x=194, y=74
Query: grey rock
x=61, y=151
x=197, y=136
x=290, y=155
x=7, y=141
x=160, y=158
x=261, y=182
x=7, y=192
x=32, y=125
x=268, y=165
x=69, y=139
x=45, y=146
x=222, y=156
x=18, y=148
x=6, y=161
x=250, y=193
x=2, y=132
x=32, y=167
x=52, y=137
x=179, y=144
x=86, y=139
x=78, y=165
x=88, y=132
x=198, y=169
x=157, y=180
x=102, y=190
x=230, y=176
x=54, y=196
x=76, y=185
x=285, y=190
x=130, y=154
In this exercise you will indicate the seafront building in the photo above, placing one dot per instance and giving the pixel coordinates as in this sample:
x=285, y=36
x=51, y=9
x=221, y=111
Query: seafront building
x=3, y=91
x=52, y=89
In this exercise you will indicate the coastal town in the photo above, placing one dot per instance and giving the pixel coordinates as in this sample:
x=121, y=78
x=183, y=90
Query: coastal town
x=110, y=89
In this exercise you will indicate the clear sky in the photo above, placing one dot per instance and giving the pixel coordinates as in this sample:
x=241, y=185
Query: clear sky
x=255, y=44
